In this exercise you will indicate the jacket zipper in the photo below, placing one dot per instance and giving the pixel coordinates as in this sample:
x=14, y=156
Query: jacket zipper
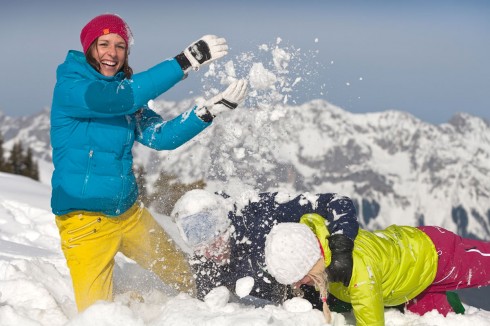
x=130, y=129
x=87, y=174
x=129, y=120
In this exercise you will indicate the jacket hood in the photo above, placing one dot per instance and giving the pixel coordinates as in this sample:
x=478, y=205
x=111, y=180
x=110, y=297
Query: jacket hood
x=76, y=65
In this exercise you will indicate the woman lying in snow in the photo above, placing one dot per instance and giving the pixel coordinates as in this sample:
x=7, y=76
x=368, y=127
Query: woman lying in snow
x=398, y=265
x=228, y=240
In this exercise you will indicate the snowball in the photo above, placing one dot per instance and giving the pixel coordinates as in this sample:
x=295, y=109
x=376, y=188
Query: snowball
x=297, y=305
x=243, y=286
x=281, y=59
x=230, y=69
x=260, y=77
x=217, y=297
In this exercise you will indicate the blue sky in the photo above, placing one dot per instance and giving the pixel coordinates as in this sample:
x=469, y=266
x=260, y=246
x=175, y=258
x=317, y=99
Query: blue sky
x=429, y=58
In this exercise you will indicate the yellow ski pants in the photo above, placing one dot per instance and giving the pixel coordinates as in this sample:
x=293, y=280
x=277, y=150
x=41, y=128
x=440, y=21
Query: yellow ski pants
x=90, y=241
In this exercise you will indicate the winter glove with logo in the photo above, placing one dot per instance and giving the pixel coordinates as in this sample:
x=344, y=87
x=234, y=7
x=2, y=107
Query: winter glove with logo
x=203, y=51
x=227, y=100
x=340, y=268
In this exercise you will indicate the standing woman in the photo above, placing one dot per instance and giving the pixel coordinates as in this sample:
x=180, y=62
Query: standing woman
x=98, y=111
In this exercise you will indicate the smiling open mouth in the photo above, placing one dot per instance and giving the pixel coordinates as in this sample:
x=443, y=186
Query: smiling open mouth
x=109, y=63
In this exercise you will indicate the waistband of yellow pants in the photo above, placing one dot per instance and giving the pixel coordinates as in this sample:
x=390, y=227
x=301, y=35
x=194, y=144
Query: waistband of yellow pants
x=130, y=212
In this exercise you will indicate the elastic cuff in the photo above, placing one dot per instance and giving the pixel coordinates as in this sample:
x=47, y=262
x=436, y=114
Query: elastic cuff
x=203, y=113
x=182, y=60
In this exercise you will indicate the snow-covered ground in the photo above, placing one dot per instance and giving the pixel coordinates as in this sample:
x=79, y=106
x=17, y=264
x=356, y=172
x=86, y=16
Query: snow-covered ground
x=35, y=286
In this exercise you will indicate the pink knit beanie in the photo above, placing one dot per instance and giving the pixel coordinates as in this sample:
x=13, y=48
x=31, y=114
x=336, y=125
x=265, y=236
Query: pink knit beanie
x=102, y=25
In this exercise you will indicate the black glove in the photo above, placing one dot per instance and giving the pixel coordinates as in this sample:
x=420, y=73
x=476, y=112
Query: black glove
x=340, y=268
x=202, y=51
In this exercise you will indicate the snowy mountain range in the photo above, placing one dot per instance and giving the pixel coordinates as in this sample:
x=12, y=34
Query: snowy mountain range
x=398, y=169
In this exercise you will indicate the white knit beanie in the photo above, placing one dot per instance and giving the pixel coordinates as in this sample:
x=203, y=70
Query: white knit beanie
x=291, y=251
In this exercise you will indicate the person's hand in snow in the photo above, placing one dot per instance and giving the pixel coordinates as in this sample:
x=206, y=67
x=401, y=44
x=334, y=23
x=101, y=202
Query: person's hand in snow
x=203, y=51
x=227, y=100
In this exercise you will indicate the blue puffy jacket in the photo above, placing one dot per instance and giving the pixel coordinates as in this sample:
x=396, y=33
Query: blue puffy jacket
x=253, y=223
x=94, y=122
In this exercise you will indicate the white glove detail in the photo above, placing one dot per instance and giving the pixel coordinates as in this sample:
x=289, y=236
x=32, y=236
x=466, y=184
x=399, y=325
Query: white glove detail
x=229, y=99
x=205, y=50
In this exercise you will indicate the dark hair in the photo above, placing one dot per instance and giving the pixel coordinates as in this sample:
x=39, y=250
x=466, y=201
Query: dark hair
x=128, y=71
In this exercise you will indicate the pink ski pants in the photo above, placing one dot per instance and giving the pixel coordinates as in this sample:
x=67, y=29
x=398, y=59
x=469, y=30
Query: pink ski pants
x=463, y=263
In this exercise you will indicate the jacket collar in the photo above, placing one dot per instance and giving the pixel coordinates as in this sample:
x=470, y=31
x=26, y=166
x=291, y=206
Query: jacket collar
x=76, y=60
x=317, y=224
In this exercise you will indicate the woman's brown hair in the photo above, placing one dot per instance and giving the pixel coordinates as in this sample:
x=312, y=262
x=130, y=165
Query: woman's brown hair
x=128, y=71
